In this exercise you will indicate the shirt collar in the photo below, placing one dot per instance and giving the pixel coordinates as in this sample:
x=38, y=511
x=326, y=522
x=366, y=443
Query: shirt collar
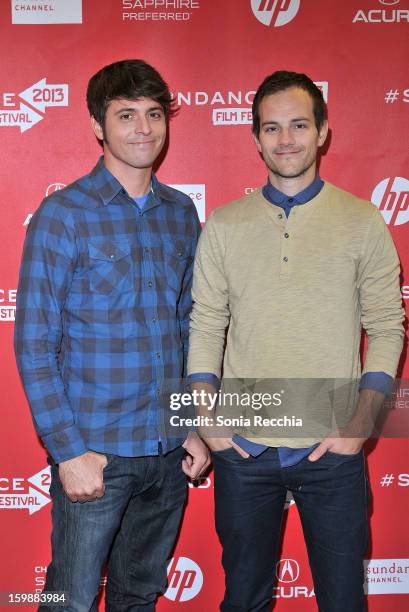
x=106, y=185
x=275, y=196
x=109, y=187
x=160, y=191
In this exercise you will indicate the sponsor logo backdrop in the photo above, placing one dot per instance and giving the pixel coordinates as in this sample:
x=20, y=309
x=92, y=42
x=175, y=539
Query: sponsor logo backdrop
x=213, y=54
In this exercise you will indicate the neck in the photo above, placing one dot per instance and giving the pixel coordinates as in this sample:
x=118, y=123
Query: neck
x=292, y=185
x=136, y=181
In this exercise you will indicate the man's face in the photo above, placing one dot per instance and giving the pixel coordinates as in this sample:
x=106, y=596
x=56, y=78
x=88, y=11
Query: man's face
x=288, y=138
x=134, y=133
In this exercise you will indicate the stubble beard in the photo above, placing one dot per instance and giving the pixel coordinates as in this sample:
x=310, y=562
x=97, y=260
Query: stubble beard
x=291, y=175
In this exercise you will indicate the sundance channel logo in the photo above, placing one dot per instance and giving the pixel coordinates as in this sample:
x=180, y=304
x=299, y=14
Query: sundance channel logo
x=386, y=576
x=275, y=13
x=46, y=11
x=185, y=579
x=391, y=197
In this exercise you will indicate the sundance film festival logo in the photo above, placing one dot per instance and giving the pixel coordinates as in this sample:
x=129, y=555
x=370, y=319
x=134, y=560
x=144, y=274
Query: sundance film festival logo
x=275, y=12
x=30, y=494
x=36, y=99
x=228, y=107
x=197, y=193
x=185, y=579
x=8, y=304
x=388, y=12
x=46, y=11
x=243, y=116
x=391, y=196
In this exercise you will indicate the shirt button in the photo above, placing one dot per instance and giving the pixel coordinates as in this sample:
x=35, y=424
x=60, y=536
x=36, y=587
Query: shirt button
x=153, y=319
x=286, y=235
x=150, y=284
x=158, y=355
x=280, y=216
x=290, y=200
x=112, y=256
x=285, y=259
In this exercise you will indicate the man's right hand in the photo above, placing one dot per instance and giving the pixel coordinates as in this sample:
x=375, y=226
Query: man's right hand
x=220, y=444
x=224, y=438
x=82, y=478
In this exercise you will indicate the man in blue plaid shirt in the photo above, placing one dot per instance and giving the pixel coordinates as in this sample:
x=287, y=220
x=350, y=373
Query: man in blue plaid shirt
x=101, y=328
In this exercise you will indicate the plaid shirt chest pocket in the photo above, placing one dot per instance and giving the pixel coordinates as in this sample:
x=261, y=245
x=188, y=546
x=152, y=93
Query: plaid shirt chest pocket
x=177, y=260
x=110, y=266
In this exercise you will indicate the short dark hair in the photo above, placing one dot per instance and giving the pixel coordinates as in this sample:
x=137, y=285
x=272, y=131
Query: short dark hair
x=128, y=79
x=281, y=80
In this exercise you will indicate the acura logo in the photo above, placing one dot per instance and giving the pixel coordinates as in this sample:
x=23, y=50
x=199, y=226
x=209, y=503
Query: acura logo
x=287, y=570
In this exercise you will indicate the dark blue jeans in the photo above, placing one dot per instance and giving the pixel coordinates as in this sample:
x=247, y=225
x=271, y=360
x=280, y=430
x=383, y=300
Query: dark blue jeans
x=134, y=525
x=331, y=497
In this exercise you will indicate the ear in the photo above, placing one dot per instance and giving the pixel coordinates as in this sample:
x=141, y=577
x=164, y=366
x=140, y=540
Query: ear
x=322, y=136
x=97, y=129
x=257, y=142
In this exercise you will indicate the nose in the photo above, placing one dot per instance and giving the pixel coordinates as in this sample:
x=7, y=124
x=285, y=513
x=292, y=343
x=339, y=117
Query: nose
x=142, y=124
x=286, y=137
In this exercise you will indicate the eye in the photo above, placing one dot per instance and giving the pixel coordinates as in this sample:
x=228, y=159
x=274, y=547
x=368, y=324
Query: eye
x=301, y=126
x=156, y=114
x=125, y=116
x=270, y=129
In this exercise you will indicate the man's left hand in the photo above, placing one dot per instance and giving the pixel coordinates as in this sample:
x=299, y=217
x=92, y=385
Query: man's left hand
x=198, y=458
x=350, y=439
x=342, y=446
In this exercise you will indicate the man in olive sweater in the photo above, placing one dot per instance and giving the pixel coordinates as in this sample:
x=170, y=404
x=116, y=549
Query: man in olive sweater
x=294, y=271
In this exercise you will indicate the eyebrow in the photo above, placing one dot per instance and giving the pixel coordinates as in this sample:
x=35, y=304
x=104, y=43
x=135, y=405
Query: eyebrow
x=272, y=122
x=132, y=110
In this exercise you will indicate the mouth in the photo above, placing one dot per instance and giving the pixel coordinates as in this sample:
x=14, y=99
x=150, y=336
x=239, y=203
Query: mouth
x=286, y=153
x=141, y=142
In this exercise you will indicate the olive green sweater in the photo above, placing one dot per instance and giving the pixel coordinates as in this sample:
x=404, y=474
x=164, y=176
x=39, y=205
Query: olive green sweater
x=293, y=293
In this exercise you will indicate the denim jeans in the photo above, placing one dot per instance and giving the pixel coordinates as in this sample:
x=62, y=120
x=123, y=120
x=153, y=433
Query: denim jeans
x=331, y=497
x=134, y=525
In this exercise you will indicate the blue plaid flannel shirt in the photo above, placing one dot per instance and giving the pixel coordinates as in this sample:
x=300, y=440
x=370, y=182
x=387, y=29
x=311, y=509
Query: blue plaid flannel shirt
x=102, y=315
